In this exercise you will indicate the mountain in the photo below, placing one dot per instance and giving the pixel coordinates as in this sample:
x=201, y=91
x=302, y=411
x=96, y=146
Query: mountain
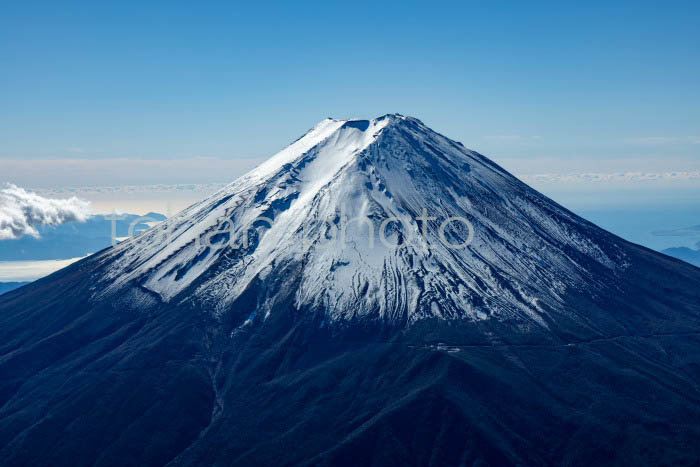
x=686, y=254
x=277, y=323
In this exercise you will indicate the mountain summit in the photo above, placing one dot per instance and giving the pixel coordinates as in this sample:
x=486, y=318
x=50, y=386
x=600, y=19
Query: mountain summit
x=378, y=219
x=375, y=293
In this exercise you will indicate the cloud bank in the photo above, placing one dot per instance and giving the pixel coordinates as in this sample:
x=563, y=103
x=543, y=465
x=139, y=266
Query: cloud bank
x=692, y=231
x=21, y=212
x=61, y=172
x=611, y=177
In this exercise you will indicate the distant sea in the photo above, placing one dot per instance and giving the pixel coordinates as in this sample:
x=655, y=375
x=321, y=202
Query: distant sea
x=655, y=219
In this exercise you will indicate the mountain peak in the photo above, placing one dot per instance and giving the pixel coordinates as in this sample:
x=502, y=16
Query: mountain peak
x=365, y=124
x=380, y=219
x=389, y=116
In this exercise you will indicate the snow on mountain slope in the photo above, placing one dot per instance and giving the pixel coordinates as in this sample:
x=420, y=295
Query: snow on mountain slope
x=314, y=216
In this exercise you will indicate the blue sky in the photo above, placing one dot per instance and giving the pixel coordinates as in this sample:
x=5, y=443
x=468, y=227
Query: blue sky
x=164, y=80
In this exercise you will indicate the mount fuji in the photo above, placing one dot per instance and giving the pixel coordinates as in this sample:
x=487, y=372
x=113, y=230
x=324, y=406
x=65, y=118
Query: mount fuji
x=374, y=294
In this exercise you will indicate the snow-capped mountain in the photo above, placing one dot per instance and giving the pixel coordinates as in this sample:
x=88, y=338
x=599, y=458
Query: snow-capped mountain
x=277, y=323
x=318, y=207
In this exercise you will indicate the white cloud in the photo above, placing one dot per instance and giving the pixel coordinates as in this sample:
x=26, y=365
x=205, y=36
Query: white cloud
x=693, y=231
x=657, y=163
x=77, y=150
x=504, y=137
x=22, y=211
x=62, y=172
x=662, y=140
x=27, y=271
x=611, y=177
x=512, y=137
